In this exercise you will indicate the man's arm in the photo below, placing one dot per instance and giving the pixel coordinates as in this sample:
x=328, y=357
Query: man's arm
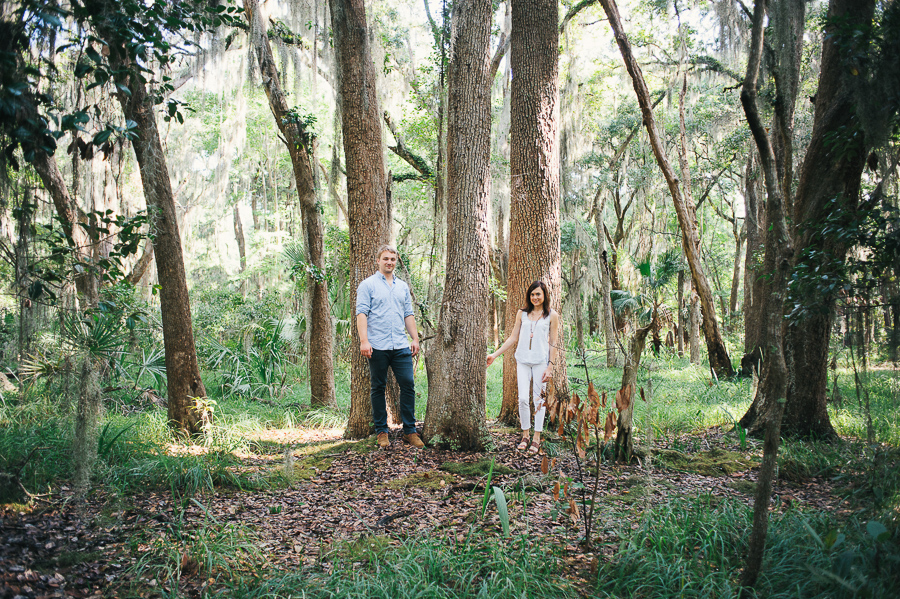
x=410, y=322
x=362, y=327
x=363, y=303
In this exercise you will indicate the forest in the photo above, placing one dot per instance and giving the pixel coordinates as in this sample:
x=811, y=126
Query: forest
x=193, y=191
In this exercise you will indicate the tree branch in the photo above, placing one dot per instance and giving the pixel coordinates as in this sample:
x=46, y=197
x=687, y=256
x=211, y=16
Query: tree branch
x=413, y=159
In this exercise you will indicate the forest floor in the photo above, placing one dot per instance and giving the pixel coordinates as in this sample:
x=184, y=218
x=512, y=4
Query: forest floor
x=336, y=495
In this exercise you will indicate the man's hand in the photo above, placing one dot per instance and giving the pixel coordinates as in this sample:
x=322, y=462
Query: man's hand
x=414, y=346
x=365, y=349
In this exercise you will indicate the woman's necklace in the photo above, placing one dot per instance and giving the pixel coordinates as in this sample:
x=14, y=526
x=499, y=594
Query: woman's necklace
x=532, y=321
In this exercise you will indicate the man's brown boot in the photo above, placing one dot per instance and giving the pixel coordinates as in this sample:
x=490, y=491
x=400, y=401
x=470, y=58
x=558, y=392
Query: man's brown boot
x=383, y=441
x=414, y=440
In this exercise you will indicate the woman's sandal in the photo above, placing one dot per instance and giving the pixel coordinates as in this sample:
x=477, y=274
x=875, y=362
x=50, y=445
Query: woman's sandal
x=523, y=445
x=535, y=448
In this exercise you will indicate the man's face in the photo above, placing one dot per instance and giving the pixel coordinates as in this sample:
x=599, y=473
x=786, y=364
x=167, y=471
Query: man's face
x=387, y=262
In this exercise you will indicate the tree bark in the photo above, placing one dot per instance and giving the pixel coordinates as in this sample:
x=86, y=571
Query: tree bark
x=695, y=327
x=242, y=247
x=754, y=281
x=718, y=355
x=86, y=283
x=607, y=319
x=456, y=363
x=824, y=176
x=624, y=425
x=142, y=265
x=777, y=263
x=182, y=370
x=320, y=348
x=736, y=271
x=368, y=208
x=679, y=301
x=534, y=222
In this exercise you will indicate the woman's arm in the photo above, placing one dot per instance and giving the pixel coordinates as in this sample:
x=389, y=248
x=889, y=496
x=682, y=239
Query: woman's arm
x=513, y=339
x=554, y=350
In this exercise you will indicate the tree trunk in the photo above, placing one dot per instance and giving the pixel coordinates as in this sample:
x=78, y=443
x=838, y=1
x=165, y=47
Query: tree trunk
x=736, y=272
x=24, y=217
x=87, y=420
x=777, y=263
x=534, y=222
x=182, y=370
x=625, y=422
x=142, y=265
x=457, y=374
x=368, y=208
x=824, y=176
x=607, y=319
x=685, y=211
x=299, y=140
x=242, y=248
x=87, y=283
x=695, y=327
x=754, y=280
x=679, y=301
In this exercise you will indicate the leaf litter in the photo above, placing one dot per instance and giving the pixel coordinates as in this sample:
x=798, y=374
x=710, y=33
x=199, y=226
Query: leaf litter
x=338, y=493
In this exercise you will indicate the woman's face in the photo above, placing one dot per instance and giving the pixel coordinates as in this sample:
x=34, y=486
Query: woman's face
x=537, y=297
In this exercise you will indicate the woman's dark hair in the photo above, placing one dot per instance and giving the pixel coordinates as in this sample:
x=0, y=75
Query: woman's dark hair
x=529, y=306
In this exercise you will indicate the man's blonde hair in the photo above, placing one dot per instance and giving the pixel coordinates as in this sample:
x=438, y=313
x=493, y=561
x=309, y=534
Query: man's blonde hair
x=386, y=248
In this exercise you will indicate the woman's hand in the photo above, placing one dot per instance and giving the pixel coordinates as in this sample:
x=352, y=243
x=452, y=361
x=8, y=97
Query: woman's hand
x=548, y=374
x=490, y=359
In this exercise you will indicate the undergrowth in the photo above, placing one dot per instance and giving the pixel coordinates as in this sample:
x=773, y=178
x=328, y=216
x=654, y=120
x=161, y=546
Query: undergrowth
x=696, y=548
x=424, y=568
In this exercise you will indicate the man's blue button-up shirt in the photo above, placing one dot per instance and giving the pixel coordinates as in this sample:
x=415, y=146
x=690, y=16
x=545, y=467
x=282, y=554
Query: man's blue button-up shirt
x=385, y=306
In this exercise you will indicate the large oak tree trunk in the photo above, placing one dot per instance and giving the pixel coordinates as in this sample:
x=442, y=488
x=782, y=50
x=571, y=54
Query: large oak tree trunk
x=182, y=370
x=368, y=208
x=298, y=140
x=456, y=362
x=826, y=176
x=685, y=211
x=534, y=224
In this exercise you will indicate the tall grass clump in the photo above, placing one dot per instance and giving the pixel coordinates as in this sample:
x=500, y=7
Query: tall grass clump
x=849, y=416
x=423, y=568
x=185, y=549
x=696, y=548
x=34, y=458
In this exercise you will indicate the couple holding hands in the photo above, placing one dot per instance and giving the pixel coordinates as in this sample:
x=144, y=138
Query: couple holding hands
x=384, y=318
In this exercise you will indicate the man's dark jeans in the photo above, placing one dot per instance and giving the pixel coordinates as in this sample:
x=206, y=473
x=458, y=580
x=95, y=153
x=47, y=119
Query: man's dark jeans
x=400, y=361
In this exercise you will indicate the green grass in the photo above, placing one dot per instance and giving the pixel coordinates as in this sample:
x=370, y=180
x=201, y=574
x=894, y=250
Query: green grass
x=421, y=568
x=696, y=548
x=850, y=418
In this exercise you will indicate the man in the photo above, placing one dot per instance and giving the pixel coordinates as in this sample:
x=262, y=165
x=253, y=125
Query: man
x=384, y=316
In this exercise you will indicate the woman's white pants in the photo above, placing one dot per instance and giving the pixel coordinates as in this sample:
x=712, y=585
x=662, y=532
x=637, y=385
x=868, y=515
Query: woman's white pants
x=530, y=376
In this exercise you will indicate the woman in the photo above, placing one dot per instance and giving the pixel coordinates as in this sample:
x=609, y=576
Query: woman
x=535, y=335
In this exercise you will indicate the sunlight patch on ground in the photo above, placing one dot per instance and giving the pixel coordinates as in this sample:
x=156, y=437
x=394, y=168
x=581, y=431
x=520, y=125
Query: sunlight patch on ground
x=290, y=436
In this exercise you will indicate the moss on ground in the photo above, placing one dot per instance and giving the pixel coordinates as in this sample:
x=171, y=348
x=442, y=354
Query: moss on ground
x=716, y=462
x=315, y=459
x=475, y=469
x=431, y=480
x=747, y=487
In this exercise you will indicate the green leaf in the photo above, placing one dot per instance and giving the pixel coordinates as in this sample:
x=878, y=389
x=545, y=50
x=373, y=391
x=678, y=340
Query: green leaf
x=500, y=500
x=93, y=55
x=878, y=531
x=102, y=136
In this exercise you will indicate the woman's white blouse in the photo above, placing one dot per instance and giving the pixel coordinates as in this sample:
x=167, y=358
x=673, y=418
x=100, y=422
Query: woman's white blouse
x=534, y=341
